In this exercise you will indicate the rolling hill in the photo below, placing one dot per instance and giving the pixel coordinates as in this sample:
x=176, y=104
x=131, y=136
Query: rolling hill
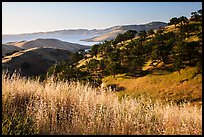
x=49, y=43
x=160, y=82
x=8, y=49
x=121, y=29
x=34, y=61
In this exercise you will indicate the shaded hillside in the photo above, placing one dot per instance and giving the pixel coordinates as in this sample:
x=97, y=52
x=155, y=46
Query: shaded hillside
x=9, y=49
x=34, y=61
x=49, y=43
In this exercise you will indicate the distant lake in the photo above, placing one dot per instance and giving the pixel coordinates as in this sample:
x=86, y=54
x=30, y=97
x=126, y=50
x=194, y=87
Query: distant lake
x=67, y=38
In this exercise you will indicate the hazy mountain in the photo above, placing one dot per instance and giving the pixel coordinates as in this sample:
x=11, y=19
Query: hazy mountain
x=94, y=35
x=82, y=31
x=49, y=43
x=148, y=26
x=114, y=32
x=34, y=61
x=72, y=32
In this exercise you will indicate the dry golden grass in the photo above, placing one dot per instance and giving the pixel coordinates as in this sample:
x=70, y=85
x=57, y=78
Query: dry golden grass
x=32, y=107
x=161, y=84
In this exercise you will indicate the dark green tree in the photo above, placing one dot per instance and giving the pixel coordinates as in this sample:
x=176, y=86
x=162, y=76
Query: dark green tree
x=136, y=57
x=94, y=49
x=200, y=12
x=186, y=30
x=114, y=62
x=113, y=68
x=75, y=57
x=191, y=52
x=195, y=16
x=65, y=72
x=160, y=30
x=150, y=32
x=177, y=63
x=130, y=34
x=82, y=52
x=183, y=20
x=119, y=38
x=105, y=48
x=187, y=52
x=142, y=36
x=162, y=46
x=92, y=65
x=174, y=21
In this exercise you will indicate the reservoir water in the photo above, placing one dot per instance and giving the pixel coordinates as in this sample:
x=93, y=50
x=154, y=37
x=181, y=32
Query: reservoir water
x=67, y=38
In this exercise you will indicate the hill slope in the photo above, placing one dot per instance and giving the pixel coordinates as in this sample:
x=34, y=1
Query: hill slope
x=34, y=61
x=161, y=85
x=49, y=43
x=112, y=34
x=161, y=80
x=6, y=49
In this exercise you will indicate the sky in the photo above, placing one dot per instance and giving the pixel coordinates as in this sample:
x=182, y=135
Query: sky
x=29, y=17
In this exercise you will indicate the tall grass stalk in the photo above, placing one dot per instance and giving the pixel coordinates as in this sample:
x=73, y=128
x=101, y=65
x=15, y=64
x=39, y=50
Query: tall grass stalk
x=33, y=107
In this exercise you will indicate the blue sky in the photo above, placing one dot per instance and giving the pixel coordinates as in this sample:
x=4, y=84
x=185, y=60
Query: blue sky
x=27, y=17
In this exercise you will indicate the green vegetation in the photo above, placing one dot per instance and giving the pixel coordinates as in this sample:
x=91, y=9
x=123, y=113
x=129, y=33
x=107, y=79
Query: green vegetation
x=128, y=53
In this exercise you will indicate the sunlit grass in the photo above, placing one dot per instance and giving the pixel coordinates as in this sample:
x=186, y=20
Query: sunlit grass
x=31, y=107
x=161, y=84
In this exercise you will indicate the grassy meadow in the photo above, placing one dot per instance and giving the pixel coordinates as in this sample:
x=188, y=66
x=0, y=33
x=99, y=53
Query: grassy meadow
x=166, y=85
x=63, y=108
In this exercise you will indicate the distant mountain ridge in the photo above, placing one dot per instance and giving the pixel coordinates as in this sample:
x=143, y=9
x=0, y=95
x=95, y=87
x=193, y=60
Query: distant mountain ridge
x=112, y=34
x=151, y=25
x=72, y=32
x=83, y=31
x=100, y=34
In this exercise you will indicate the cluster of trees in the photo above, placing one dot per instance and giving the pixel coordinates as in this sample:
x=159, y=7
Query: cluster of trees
x=167, y=47
x=181, y=20
x=67, y=70
x=119, y=56
x=195, y=16
x=128, y=35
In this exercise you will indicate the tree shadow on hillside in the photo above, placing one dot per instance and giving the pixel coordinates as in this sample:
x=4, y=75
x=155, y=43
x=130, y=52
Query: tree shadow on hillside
x=139, y=74
x=116, y=87
x=162, y=70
